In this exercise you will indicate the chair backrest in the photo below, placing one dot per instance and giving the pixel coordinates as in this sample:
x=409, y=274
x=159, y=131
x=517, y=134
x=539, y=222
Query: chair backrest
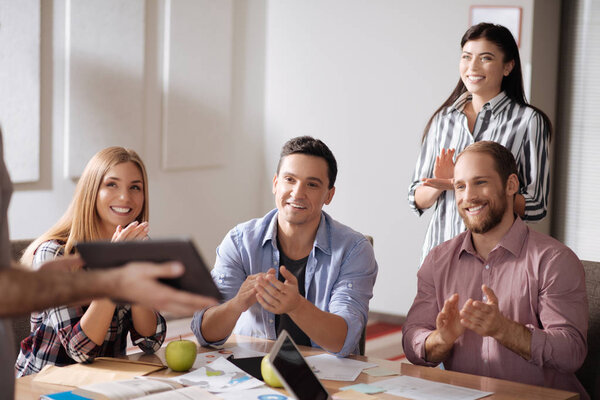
x=589, y=373
x=21, y=325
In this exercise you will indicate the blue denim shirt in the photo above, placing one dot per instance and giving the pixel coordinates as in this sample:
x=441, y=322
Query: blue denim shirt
x=340, y=274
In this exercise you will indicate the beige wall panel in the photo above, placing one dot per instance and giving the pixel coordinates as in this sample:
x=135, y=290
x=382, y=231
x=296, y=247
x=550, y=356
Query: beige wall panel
x=104, y=78
x=196, y=83
x=20, y=87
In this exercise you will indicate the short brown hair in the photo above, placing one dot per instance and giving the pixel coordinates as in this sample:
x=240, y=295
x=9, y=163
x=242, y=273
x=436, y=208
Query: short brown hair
x=312, y=147
x=503, y=158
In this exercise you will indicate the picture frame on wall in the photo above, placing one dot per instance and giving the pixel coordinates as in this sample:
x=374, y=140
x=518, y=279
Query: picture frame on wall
x=508, y=16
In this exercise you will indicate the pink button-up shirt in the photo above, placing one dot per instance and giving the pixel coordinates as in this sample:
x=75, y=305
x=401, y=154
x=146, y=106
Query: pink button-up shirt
x=539, y=283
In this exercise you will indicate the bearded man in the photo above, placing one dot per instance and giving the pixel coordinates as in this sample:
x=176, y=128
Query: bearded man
x=499, y=300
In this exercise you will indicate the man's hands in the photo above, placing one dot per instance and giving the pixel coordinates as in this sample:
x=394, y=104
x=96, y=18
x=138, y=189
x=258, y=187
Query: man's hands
x=448, y=322
x=482, y=317
x=247, y=294
x=443, y=171
x=275, y=296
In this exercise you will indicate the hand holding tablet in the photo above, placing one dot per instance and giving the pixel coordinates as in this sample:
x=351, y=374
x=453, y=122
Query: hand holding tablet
x=195, y=279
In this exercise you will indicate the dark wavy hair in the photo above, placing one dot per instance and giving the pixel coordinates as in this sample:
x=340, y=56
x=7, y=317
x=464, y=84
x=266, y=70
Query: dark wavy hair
x=312, y=147
x=511, y=84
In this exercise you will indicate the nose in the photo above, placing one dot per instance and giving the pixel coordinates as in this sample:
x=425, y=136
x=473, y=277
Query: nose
x=298, y=190
x=124, y=194
x=470, y=192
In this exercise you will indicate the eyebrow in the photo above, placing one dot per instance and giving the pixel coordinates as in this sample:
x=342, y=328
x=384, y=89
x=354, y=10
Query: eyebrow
x=114, y=178
x=310, y=178
x=480, y=54
x=473, y=178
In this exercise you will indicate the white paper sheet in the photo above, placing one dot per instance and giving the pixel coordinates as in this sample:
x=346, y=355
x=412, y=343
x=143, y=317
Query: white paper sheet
x=251, y=394
x=188, y=393
x=423, y=389
x=327, y=366
x=219, y=376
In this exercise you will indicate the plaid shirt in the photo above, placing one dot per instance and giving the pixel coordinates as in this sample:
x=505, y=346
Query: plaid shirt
x=57, y=338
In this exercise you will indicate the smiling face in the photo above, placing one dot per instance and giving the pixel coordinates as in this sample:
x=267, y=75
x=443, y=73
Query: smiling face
x=482, y=199
x=120, y=197
x=482, y=68
x=301, y=188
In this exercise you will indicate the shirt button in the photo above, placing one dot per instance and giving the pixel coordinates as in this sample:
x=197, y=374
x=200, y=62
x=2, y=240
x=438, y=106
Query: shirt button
x=349, y=285
x=485, y=360
x=222, y=276
x=484, y=298
x=220, y=280
x=487, y=267
x=270, y=321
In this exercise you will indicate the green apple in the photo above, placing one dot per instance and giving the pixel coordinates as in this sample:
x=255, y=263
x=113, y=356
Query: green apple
x=268, y=373
x=180, y=354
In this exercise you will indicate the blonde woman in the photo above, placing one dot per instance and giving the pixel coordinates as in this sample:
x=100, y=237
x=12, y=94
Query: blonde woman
x=110, y=203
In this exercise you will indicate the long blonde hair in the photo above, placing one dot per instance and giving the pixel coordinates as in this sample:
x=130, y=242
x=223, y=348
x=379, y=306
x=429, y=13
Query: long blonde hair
x=81, y=222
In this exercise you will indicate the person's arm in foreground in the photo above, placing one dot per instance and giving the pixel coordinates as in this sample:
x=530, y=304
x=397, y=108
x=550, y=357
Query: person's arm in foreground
x=26, y=291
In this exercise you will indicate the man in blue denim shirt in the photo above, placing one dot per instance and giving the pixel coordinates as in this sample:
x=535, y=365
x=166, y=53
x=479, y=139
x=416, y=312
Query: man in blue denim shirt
x=334, y=264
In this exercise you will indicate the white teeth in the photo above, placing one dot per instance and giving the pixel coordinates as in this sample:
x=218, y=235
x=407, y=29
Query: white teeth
x=473, y=209
x=475, y=78
x=121, y=209
x=296, y=206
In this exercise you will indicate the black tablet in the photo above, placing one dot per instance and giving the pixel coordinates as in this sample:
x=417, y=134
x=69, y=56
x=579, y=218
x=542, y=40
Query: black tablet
x=294, y=372
x=195, y=279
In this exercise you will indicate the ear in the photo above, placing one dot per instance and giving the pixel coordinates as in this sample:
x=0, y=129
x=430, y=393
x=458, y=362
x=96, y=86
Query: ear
x=508, y=67
x=330, y=195
x=274, y=190
x=512, y=185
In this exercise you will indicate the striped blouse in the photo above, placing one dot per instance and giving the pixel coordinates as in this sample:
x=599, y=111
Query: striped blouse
x=519, y=128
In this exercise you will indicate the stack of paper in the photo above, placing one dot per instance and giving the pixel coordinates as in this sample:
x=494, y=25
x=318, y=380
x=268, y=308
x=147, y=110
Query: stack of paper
x=423, y=389
x=327, y=366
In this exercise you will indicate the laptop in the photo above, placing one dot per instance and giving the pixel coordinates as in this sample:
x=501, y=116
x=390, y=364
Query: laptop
x=294, y=372
x=195, y=279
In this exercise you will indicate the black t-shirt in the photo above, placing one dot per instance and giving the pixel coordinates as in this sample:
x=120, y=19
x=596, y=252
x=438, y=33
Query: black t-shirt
x=283, y=321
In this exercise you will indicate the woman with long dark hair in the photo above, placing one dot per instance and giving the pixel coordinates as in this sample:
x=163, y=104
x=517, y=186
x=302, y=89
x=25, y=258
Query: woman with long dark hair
x=488, y=103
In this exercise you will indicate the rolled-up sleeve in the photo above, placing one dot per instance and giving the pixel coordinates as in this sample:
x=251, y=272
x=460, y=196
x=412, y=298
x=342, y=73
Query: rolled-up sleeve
x=420, y=321
x=425, y=164
x=228, y=275
x=65, y=322
x=560, y=342
x=352, y=291
x=534, y=168
x=150, y=344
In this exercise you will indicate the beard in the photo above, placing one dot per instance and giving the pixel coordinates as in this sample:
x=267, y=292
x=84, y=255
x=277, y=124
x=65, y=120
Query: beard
x=483, y=224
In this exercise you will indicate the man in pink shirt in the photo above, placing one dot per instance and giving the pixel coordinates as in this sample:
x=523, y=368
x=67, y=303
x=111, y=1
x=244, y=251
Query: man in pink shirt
x=500, y=299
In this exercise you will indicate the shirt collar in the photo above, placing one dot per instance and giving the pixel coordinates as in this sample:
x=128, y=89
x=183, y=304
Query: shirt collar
x=496, y=105
x=513, y=241
x=321, y=240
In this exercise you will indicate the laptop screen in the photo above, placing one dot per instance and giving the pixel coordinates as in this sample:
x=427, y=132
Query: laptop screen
x=298, y=375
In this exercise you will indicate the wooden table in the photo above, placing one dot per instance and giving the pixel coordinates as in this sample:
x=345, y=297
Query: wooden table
x=26, y=389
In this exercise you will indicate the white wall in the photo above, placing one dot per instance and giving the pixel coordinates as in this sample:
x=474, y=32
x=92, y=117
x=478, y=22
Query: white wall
x=201, y=202
x=363, y=75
